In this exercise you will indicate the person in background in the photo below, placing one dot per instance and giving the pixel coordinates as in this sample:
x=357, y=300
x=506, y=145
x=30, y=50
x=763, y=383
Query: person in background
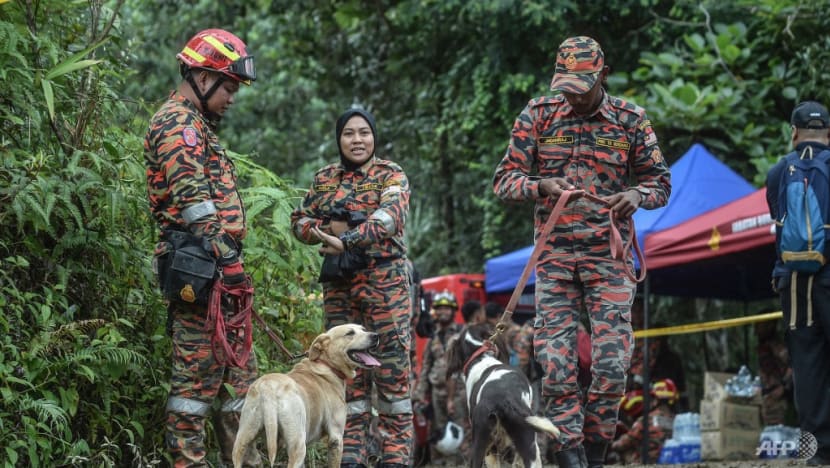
x=660, y=420
x=664, y=362
x=472, y=312
x=357, y=209
x=193, y=194
x=431, y=388
x=582, y=138
x=775, y=372
x=805, y=298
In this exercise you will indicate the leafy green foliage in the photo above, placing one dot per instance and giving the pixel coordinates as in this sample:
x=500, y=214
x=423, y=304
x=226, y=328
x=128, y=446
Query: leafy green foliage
x=84, y=359
x=446, y=79
x=83, y=352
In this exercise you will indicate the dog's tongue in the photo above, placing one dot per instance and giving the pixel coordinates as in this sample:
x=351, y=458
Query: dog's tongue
x=367, y=359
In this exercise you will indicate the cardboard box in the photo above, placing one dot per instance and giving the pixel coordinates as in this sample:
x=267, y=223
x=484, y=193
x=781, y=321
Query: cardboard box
x=715, y=415
x=730, y=444
x=714, y=389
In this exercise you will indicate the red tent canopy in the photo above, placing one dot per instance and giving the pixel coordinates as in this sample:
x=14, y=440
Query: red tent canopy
x=738, y=226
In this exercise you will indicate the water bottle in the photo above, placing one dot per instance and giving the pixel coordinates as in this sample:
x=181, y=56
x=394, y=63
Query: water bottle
x=778, y=441
x=687, y=433
x=669, y=453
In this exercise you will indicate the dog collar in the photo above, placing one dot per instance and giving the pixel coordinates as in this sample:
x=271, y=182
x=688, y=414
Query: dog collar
x=336, y=371
x=487, y=346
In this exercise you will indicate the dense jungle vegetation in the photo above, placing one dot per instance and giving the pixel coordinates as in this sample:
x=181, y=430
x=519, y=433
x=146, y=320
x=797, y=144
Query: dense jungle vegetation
x=83, y=350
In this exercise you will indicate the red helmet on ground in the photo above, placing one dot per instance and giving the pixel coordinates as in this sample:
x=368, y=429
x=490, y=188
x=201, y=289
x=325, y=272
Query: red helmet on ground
x=632, y=403
x=665, y=390
x=219, y=50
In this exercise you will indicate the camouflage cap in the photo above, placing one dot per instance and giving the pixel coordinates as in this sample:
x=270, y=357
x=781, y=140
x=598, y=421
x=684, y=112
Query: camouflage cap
x=578, y=63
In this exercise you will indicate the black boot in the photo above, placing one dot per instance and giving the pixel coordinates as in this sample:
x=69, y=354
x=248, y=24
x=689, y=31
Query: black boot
x=573, y=457
x=595, y=453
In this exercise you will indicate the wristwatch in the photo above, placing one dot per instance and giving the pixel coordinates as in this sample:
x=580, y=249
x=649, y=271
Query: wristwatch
x=643, y=191
x=349, y=238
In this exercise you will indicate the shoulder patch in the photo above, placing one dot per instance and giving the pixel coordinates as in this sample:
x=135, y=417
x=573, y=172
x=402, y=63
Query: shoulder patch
x=651, y=137
x=391, y=189
x=657, y=156
x=190, y=136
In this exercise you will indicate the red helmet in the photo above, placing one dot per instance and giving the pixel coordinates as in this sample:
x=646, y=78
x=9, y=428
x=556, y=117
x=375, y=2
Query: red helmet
x=665, y=390
x=632, y=403
x=219, y=50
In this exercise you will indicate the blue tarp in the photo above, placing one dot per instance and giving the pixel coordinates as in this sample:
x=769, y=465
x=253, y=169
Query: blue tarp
x=700, y=183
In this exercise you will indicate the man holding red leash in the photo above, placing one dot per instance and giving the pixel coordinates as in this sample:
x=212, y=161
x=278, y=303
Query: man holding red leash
x=604, y=148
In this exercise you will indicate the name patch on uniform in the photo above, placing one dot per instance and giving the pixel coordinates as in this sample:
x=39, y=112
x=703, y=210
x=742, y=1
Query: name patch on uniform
x=557, y=140
x=368, y=187
x=189, y=136
x=616, y=144
x=325, y=188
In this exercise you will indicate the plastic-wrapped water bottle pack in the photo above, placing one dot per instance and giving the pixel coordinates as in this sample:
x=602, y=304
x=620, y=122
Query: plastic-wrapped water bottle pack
x=684, y=445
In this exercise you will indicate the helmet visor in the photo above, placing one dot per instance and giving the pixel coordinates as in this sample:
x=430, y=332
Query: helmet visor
x=244, y=68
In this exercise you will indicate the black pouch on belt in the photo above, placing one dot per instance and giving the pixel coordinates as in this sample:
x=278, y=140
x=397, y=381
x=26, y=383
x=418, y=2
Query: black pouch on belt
x=188, y=274
x=342, y=267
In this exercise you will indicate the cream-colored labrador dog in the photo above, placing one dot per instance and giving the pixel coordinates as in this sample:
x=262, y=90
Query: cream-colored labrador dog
x=309, y=401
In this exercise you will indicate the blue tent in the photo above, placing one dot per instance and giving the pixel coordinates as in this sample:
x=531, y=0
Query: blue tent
x=700, y=183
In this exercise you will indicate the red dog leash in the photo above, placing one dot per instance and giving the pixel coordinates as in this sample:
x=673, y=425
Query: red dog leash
x=617, y=251
x=235, y=354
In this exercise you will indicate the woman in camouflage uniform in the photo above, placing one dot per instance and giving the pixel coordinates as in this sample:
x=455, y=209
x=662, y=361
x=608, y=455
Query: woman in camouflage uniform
x=357, y=207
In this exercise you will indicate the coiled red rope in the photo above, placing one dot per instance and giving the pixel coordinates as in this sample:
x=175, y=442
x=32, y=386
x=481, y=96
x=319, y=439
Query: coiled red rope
x=239, y=323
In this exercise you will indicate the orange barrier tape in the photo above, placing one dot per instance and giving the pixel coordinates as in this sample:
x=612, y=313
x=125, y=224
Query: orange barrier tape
x=706, y=326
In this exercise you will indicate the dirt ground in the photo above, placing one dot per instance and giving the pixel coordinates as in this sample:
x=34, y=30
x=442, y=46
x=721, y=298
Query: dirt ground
x=711, y=464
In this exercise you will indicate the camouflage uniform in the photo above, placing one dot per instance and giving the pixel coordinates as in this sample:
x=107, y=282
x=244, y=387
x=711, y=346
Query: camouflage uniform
x=597, y=154
x=377, y=297
x=521, y=350
x=660, y=429
x=461, y=414
x=187, y=168
x=432, y=383
x=774, y=370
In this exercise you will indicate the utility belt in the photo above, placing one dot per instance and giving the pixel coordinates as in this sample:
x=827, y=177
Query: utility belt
x=186, y=271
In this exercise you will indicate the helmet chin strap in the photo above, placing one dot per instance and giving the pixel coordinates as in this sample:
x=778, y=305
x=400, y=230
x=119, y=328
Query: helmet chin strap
x=212, y=117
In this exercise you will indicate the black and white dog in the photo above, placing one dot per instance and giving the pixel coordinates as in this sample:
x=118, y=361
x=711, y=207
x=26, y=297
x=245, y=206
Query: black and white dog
x=500, y=401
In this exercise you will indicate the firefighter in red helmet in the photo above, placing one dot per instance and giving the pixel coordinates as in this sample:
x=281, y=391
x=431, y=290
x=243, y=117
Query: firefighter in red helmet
x=191, y=185
x=660, y=420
